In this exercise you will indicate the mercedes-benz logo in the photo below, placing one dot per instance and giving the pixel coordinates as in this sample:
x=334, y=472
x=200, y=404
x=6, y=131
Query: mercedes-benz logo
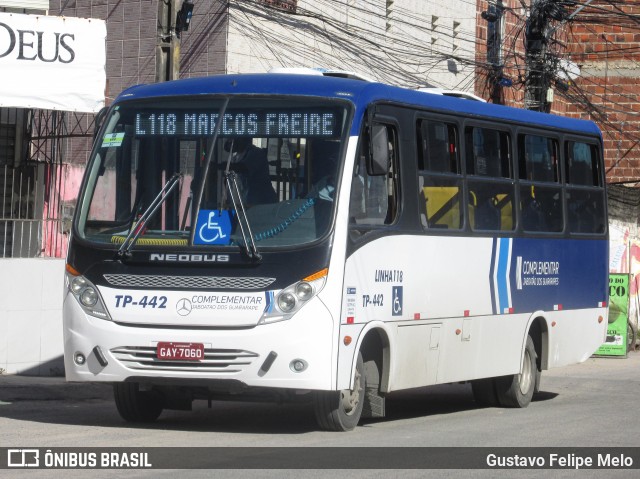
x=183, y=307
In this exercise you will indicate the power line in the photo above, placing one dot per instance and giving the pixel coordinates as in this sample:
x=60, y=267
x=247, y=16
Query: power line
x=400, y=58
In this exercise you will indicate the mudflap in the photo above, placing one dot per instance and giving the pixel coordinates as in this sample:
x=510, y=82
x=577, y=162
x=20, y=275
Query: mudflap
x=374, y=402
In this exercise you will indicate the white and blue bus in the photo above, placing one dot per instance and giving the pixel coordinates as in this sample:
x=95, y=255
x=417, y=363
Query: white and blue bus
x=291, y=237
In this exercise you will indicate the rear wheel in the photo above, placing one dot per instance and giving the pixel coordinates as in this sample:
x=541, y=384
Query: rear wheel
x=341, y=410
x=517, y=390
x=135, y=405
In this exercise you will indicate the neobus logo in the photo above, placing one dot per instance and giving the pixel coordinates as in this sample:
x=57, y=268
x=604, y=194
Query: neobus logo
x=190, y=258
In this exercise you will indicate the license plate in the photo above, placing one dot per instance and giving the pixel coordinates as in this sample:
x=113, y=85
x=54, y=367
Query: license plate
x=180, y=351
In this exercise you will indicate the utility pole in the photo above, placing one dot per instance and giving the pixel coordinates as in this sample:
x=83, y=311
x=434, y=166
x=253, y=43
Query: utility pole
x=541, y=68
x=168, y=44
x=537, y=78
x=495, y=18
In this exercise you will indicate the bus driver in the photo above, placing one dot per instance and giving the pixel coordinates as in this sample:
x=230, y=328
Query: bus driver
x=252, y=166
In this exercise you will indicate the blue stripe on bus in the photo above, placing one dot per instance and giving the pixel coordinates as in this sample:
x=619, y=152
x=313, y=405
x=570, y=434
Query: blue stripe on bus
x=269, y=299
x=503, y=263
x=491, y=276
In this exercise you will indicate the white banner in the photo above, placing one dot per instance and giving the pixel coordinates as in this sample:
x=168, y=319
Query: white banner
x=28, y=4
x=52, y=63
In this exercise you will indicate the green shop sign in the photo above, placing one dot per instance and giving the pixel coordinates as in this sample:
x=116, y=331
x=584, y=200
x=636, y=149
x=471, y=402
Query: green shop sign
x=616, y=342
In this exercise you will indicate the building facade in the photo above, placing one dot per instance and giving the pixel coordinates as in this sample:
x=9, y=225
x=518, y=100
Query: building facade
x=589, y=57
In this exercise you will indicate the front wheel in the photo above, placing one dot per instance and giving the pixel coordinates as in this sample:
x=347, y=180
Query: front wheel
x=135, y=405
x=341, y=410
x=517, y=390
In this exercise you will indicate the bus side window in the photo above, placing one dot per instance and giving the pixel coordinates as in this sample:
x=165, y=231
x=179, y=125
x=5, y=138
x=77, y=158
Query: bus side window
x=374, y=197
x=585, y=200
x=532, y=215
x=491, y=205
x=486, y=215
x=367, y=203
x=538, y=159
x=488, y=152
x=541, y=206
x=440, y=182
x=441, y=198
x=490, y=179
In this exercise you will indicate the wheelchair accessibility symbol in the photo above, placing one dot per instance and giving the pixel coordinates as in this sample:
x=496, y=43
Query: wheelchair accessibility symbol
x=213, y=227
x=396, y=301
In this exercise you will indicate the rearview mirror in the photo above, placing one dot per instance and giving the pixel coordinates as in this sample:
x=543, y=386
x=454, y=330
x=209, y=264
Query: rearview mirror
x=379, y=161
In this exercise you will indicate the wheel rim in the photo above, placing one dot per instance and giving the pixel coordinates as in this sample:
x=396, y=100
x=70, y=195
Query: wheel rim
x=526, y=378
x=350, y=398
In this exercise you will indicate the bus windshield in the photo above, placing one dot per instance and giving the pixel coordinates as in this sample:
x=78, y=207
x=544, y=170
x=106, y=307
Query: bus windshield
x=276, y=159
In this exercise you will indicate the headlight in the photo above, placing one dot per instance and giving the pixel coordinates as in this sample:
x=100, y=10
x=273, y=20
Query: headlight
x=87, y=296
x=78, y=284
x=292, y=298
x=286, y=302
x=304, y=291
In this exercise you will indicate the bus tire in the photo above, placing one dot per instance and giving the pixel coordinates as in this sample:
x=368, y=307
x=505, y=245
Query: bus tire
x=341, y=410
x=135, y=405
x=517, y=390
x=484, y=392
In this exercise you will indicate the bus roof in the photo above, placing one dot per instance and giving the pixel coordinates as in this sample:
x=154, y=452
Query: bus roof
x=360, y=93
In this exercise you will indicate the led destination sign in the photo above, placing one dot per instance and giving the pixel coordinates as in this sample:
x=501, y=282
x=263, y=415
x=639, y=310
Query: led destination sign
x=281, y=123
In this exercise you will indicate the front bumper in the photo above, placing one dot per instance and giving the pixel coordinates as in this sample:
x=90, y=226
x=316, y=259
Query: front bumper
x=230, y=354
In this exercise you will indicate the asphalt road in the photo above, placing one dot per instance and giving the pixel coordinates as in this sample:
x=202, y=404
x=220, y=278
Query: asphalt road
x=591, y=404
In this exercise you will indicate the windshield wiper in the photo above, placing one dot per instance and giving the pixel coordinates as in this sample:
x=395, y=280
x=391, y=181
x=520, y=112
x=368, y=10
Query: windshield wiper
x=136, y=231
x=231, y=178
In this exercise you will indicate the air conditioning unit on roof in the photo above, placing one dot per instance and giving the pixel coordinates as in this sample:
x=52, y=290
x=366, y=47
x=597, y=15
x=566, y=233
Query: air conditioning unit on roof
x=456, y=93
x=320, y=72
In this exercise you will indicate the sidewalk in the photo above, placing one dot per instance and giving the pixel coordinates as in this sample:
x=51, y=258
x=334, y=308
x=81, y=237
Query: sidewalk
x=38, y=388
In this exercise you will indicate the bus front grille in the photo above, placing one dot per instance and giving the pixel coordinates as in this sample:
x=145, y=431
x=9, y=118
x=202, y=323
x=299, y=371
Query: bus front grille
x=152, y=281
x=215, y=360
